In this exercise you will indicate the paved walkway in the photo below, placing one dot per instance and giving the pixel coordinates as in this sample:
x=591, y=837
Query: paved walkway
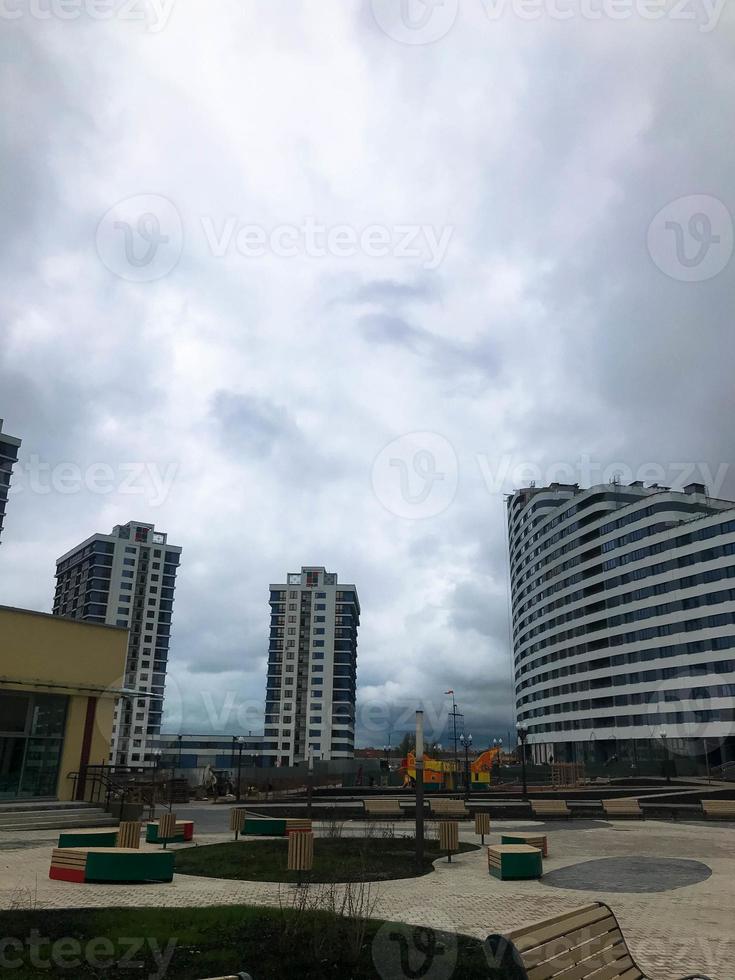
x=670, y=932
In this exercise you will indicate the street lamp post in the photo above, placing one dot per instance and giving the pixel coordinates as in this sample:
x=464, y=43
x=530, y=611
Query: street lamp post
x=156, y=763
x=665, y=746
x=522, y=736
x=419, y=763
x=466, y=742
x=240, y=746
x=387, y=749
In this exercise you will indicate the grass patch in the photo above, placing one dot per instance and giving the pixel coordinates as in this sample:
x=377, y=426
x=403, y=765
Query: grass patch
x=269, y=944
x=335, y=859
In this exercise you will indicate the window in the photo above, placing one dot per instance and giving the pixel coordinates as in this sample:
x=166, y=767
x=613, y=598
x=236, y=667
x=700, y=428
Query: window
x=319, y=630
x=128, y=561
x=320, y=606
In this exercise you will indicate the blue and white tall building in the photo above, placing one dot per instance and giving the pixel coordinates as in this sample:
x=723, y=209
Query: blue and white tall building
x=623, y=621
x=312, y=668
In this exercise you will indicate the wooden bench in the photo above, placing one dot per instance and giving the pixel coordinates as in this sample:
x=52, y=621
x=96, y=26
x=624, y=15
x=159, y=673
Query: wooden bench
x=719, y=809
x=514, y=862
x=449, y=809
x=622, y=808
x=550, y=808
x=382, y=808
x=581, y=944
x=540, y=841
x=183, y=831
x=110, y=864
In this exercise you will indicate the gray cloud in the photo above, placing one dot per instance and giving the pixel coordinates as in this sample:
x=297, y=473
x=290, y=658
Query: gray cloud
x=272, y=384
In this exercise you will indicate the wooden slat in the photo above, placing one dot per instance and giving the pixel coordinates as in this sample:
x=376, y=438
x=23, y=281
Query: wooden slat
x=573, y=938
x=535, y=935
x=613, y=971
x=596, y=951
x=598, y=965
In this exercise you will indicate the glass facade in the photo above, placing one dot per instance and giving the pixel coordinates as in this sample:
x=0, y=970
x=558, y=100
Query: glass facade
x=31, y=738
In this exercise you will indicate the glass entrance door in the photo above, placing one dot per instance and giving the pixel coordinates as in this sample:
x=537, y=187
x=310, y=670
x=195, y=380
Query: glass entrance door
x=31, y=737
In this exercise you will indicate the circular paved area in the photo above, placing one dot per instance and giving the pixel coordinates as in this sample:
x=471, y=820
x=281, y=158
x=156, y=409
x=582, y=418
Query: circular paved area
x=629, y=875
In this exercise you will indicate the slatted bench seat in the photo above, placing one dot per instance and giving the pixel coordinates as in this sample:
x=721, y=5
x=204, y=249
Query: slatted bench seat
x=540, y=841
x=550, y=808
x=108, y=864
x=88, y=838
x=449, y=809
x=514, y=862
x=382, y=808
x=622, y=808
x=184, y=832
x=719, y=809
x=584, y=944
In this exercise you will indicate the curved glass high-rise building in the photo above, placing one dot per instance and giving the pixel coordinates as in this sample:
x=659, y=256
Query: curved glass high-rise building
x=623, y=622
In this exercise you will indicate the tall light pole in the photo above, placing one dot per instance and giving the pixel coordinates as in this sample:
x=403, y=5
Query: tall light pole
x=466, y=742
x=522, y=736
x=240, y=746
x=156, y=763
x=419, y=754
x=455, y=737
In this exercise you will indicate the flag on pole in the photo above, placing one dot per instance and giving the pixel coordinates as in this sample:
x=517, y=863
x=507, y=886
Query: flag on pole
x=449, y=692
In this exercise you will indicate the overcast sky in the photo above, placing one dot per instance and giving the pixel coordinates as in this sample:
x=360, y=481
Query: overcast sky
x=317, y=282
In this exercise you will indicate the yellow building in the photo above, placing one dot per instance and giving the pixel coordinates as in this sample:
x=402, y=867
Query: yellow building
x=59, y=680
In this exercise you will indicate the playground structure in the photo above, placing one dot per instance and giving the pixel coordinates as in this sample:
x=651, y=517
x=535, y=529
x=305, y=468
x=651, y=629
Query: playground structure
x=448, y=774
x=567, y=774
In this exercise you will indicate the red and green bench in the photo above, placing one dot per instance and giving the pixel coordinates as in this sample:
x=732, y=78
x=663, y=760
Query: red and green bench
x=183, y=831
x=106, y=864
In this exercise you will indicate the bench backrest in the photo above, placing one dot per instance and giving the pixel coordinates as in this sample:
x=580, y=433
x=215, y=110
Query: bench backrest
x=448, y=806
x=718, y=805
x=300, y=851
x=237, y=819
x=382, y=806
x=586, y=942
x=549, y=806
x=128, y=834
x=622, y=806
x=167, y=826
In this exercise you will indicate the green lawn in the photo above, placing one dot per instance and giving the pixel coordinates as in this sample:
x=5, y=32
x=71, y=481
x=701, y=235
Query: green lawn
x=335, y=859
x=194, y=943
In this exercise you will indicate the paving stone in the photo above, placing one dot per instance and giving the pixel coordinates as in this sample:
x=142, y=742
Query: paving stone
x=671, y=933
